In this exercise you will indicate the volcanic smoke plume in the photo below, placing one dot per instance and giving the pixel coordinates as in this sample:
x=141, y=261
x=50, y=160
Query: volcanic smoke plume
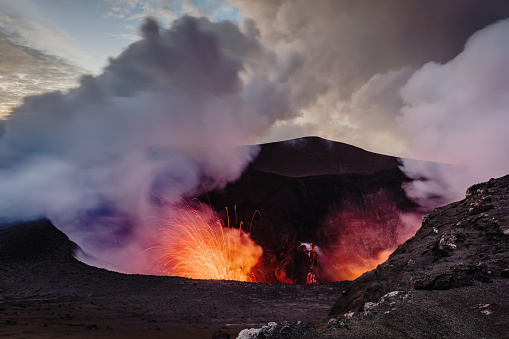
x=456, y=112
x=161, y=123
x=420, y=79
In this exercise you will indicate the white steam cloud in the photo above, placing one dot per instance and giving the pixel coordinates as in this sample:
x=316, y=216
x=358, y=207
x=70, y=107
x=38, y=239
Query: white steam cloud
x=458, y=113
x=163, y=121
x=332, y=48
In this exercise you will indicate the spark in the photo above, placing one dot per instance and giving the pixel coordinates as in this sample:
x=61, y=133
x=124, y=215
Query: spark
x=195, y=244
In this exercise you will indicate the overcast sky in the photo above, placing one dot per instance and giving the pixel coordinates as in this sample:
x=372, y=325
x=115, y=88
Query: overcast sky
x=343, y=62
x=47, y=45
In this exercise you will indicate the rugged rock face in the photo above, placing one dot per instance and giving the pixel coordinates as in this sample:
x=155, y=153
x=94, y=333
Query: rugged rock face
x=457, y=244
x=449, y=280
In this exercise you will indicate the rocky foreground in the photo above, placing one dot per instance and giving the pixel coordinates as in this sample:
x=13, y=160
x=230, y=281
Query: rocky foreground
x=46, y=293
x=450, y=280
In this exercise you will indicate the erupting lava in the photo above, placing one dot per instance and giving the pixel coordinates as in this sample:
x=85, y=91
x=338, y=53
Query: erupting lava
x=197, y=245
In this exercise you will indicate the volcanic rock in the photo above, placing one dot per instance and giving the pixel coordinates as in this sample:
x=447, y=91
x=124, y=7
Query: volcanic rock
x=34, y=241
x=449, y=280
x=457, y=244
x=284, y=330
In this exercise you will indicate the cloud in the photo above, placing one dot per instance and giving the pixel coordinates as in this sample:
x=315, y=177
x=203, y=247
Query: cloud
x=457, y=112
x=162, y=122
x=113, y=15
x=20, y=25
x=338, y=46
x=168, y=10
x=26, y=72
x=31, y=61
x=374, y=108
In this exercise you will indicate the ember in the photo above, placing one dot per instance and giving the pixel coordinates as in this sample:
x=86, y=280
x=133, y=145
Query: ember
x=197, y=245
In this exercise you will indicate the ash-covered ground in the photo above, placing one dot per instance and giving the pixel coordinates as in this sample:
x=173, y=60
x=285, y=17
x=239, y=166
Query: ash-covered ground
x=45, y=292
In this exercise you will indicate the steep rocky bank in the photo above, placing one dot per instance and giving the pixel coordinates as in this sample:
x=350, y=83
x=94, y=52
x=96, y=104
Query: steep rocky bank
x=449, y=280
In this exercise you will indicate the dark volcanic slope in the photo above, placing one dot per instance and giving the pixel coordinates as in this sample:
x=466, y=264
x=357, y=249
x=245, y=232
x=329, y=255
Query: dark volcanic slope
x=45, y=292
x=316, y=156
x=458, y=244
x=451, y=280
x=34, y=241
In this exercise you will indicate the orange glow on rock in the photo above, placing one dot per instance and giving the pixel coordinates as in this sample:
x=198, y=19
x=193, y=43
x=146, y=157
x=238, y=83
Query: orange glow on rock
x=195, y=244
x=361, y=244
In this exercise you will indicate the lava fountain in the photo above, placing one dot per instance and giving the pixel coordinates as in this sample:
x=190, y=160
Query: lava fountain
x=196, y=244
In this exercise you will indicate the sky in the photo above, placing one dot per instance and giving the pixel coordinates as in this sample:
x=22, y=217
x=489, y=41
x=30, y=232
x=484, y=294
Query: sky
x=334, y=52
x=107, y=104
x=48, y=44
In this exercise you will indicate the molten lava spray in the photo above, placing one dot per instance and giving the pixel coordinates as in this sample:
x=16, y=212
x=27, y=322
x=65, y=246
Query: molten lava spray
x=196, y=245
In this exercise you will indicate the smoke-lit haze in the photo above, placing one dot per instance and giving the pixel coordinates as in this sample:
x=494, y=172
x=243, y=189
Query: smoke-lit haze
x=420, y=79
x=457, y=112
x=163, y=121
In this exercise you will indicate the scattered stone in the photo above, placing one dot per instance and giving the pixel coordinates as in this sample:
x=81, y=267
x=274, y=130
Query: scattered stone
x=284, y=330
x=391, y=294
x=369, y=307
x=336, y=323
x=446, y=243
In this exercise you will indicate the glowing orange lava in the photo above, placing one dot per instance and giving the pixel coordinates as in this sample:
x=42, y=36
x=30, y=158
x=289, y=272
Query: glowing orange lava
x=196, y=245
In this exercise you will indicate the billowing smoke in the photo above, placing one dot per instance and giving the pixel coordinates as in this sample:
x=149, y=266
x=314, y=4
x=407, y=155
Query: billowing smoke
x=161, y=123
x=457, y=112
x=334, y=48
x=163, y=120
x=423, y=80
